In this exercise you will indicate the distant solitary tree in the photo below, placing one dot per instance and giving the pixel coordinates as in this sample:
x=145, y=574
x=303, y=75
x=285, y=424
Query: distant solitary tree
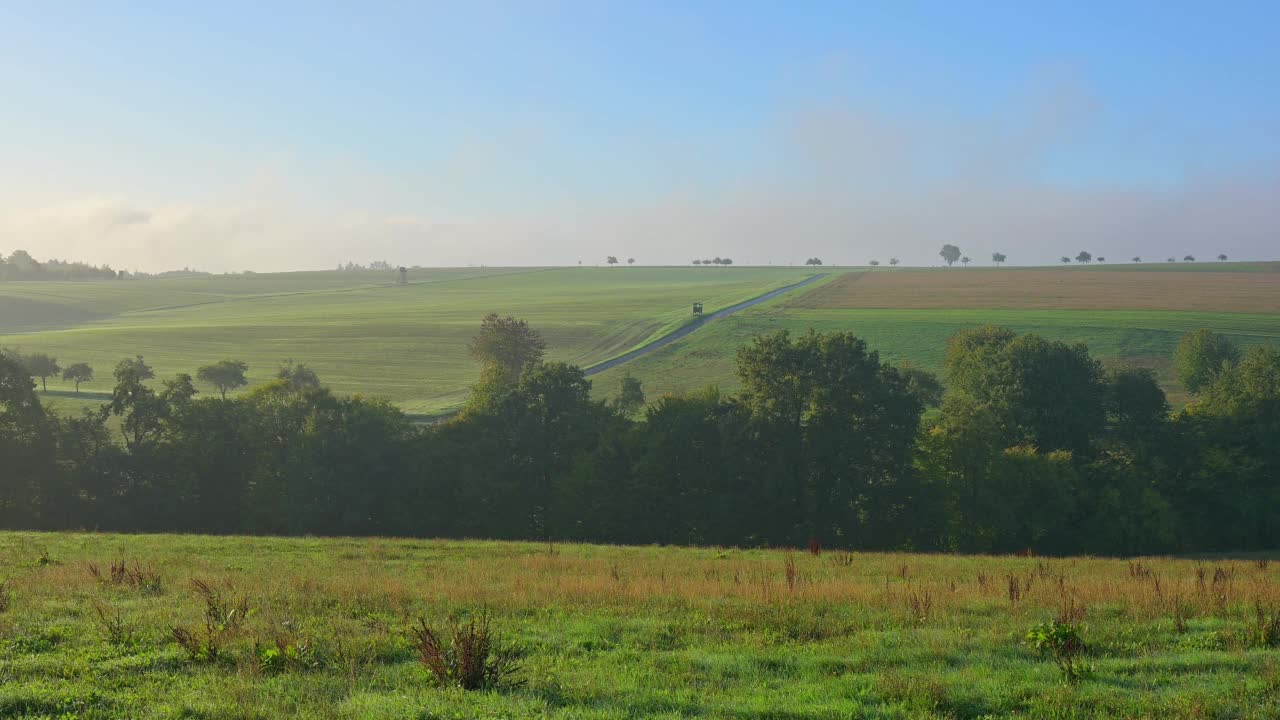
x=298, y=376
x=612, y=260
x=630, y=396
x=726, y=261
x=1084, y=257
x=631, y=261
x=42, y=366
x=507, y=343
x=1137, y=258
x=697, y=262
x=1188, y=258
x=1101, y=259
x=1222, y=257
x=950, y=253
x=893, y=261
x=224, y=375
x=78, y=373
x=1170, y=260
x=813, y=261
x=1065, y=260
x=998, y=258
x=965, y=260
x=874, y=263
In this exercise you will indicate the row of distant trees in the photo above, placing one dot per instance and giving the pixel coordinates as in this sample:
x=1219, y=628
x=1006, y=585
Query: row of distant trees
x=1084, y=258
x=952, y=254
x=1032, y=444
x=224, y=376
x=374, y=265
x=715, y=261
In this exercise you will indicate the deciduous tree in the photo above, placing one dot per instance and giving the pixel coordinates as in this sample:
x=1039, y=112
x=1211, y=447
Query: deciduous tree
x=42, y=365
x=224, y=375
x=950, y=254
x=78, y=373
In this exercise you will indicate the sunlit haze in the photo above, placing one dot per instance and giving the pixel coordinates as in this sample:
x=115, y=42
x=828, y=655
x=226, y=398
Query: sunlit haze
x=284, y=136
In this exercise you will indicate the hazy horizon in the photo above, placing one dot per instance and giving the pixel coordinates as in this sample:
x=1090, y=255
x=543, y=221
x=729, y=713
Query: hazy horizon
x=288, y=138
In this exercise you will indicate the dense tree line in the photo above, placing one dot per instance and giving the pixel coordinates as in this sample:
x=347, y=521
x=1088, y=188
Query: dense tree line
x=19, y=265
x=1032, y=444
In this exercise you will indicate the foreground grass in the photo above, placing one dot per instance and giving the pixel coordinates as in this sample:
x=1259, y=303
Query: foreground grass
x=615, y=632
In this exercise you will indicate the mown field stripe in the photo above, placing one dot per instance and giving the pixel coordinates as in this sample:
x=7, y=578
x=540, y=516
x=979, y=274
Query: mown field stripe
x=694, y=324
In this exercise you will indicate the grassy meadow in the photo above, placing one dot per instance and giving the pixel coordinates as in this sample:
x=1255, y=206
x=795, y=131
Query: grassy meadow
x=1129, y=314
x=364, y=334
x=625, y=632
x=360, y=331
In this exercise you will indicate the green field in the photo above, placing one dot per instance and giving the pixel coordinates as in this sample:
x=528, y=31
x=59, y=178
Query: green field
x=360, y=331
x=617, y=632
x=366, y=335
x=919, y=337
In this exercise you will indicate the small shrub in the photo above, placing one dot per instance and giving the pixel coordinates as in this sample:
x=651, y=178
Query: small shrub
x=44, y=559
x=1064, y=643
x=287, y=653
x=145, y=579
x=1015, y=589
x=983, y=579
x=920, y=605
x=1262, y=564
x=1138, y=571
x=222, y=609
x=815, y=547
x=119, y=573
x=202, y=644
x=1179, y=616
x=1264, y=632
x=1071, y=613
x=113, y=626
x=6, y=596
x=469, y=656
x=223, y=616
x=793, y=575
x=841, y=558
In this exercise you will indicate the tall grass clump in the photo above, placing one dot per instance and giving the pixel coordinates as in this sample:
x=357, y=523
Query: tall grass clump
x=468, y=656
x=119, y=573
x=224, y=614
x=1264, y=631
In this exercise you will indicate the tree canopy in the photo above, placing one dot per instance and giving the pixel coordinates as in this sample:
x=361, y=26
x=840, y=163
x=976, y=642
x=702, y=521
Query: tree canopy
x=78, y=373
x=224, y=375
x=507, y=343
x=1201, y=356
x=950, y=254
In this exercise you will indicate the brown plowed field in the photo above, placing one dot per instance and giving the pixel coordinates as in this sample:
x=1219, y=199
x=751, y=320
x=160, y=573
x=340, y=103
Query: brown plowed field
x=1044, y=289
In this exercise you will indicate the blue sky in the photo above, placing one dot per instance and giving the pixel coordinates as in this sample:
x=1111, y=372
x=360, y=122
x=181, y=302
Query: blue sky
x=292, y=135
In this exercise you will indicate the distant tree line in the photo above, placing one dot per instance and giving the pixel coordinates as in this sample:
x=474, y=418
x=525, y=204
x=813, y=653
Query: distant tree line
x=19, y=265
x=374, y=265
x=1033, y=444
